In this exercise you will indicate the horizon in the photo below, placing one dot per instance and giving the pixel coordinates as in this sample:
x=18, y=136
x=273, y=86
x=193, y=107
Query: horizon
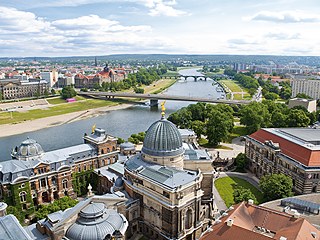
x=110, y=27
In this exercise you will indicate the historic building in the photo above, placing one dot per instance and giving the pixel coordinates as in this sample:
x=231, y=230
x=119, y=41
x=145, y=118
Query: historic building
x=294, y=152
x=34, y=176
x=167, y=201
x=94, y=218
x=14, y=88
x=247, y=221
x=108, y=75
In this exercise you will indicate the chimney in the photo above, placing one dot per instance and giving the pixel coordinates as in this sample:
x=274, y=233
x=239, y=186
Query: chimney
x=314, y=234
x=250, y=202
x=282, y=238
x=229, y=222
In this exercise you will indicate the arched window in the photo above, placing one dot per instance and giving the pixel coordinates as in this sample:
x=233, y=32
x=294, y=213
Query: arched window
x=64, y=183
x=54, y=181
x=188, y=220
x=23, y=196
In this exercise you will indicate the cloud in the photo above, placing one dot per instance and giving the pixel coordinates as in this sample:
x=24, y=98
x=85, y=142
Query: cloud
x=283, y=36
x=25, y=34
x=243, y=41
x=284, y=17
x=155, y=7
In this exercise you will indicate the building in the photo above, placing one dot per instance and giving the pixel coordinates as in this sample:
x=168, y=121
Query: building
x=95, y=218
x=294, y=152
x=247, y=221
x=310, y=87
x=51, y=77
x=108, y=75
x=171, y=201
x=34, y=176
x=11, y=88
x=309, y=104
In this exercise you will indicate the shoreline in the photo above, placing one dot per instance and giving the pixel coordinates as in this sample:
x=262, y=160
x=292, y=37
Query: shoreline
x=7, y=130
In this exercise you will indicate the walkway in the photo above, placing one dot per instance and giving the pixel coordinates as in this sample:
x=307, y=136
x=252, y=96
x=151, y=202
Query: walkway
x=249, y=177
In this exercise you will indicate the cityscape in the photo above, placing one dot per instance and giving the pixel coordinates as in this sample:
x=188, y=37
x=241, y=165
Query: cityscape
x=159, y=119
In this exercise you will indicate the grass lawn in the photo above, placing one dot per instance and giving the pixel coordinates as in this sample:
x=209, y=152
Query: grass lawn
x=159, y=86
x=204, y=143
x=237, y=131
x=246, y=96
x=55, y=110
x=59, y=100
x=226, y=185
x=233, y=85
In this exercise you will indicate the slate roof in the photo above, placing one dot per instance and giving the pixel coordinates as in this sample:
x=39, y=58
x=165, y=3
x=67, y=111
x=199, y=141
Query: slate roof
x=10, y=229
x=166, y=176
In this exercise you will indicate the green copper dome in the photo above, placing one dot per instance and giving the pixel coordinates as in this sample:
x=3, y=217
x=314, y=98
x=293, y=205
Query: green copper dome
x=162, y=139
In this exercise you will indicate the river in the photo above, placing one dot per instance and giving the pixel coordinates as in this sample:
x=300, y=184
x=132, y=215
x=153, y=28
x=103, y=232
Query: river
x=120, y=123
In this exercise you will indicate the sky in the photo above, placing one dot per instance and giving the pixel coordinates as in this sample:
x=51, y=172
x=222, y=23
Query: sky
x=52, y=28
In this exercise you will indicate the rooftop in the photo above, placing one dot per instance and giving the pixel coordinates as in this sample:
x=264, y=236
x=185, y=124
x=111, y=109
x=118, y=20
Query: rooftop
x=10, y=229
x=248, y=221
x=301, y=144
x=166, y=176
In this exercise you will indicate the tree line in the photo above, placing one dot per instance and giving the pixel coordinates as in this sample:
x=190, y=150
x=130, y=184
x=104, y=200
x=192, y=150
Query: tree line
x=216, y=122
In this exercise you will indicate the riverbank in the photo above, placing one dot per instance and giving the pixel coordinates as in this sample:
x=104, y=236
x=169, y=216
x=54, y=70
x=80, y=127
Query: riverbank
x=37, y=124
x=56, y=115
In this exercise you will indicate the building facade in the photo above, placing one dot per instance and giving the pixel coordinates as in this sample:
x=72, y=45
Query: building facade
x=294, y=152
x=167, y=200
x=310, y=87
x=34, y=177
x=14, y=88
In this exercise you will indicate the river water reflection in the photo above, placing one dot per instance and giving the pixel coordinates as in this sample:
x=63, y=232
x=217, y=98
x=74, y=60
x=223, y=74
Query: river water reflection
x=119, y=123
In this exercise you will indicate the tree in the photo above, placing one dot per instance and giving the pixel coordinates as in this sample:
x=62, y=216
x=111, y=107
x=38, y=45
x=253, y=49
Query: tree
x=120, y=140
x=68, y=92
x=241, y=194
x=297, y=118
x=138, y=90
x=271, y=96
x=241, y=162
x=217, y=127
x=278, y=120
x=252, y=91
x=303, y=95
x=53, y=92
x=255, y=116
x=198, y=127
x=276, y=186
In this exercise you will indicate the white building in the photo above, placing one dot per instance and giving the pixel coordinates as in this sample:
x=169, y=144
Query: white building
x=310, y=87
x=50, y=77
x=310, y=105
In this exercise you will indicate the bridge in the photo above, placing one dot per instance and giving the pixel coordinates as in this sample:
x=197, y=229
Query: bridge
x=155, y=97
x=195, y=77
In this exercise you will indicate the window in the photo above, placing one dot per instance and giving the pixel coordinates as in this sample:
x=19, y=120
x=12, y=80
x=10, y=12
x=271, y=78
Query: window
x=54, y=181
x=65, y=183
x=23, y=196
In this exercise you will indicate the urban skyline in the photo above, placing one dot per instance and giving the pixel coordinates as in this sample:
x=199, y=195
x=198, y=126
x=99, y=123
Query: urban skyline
x=80, y=27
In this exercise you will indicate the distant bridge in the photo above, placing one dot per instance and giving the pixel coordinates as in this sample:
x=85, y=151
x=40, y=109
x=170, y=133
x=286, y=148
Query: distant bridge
x=155, y=97
x=195, y=77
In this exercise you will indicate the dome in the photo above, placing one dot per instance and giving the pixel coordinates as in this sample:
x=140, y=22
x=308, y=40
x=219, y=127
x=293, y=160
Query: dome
x=162, y=139
x=127, y=146
x=95, y=223
x=119, y=182
x=27, y=149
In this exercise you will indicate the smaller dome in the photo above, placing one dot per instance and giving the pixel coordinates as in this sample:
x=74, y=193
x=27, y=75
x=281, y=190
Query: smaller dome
x=28, y=149
x=119, y=182
x=127, y=145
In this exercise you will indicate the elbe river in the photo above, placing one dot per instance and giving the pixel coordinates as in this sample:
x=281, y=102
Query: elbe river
x=120, y=123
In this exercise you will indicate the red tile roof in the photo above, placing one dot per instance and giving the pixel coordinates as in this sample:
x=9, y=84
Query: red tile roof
x=247, y=218
x=300, y=153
